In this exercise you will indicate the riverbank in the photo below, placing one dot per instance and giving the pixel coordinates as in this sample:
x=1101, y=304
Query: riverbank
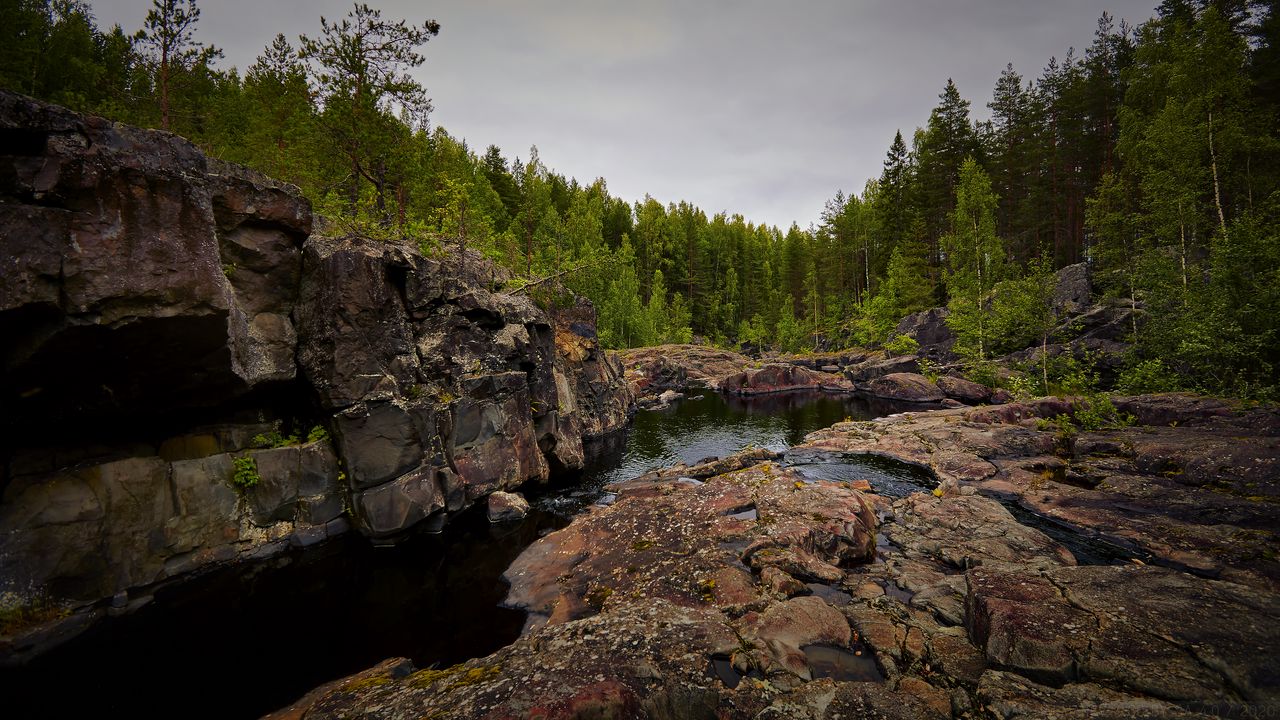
x=766, y=592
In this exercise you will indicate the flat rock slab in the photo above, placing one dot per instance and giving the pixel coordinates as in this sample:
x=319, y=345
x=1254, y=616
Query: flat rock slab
x=907, y=386
x=1153, y=631
x=1199, y=493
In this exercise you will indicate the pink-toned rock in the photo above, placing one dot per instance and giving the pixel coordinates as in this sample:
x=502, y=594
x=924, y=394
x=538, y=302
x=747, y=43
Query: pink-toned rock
x=782, y=378
x=965, y=391
x=507, y=506
x=909, y=387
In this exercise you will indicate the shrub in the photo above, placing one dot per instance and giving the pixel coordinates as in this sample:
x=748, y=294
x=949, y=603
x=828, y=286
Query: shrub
x=983, y=372
x=1147, y=376
x=317, y=433
x=246, y=473
x=930, y=369
x=274, y=439
x=20, y=612
x=901, y=345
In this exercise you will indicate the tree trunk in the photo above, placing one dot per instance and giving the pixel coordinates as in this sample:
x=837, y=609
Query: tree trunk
x=1217, y=192
x=1182, y=233
x=164, y=87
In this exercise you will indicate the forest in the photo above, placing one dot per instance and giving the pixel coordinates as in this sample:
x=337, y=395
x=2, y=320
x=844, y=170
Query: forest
x=1153, y=156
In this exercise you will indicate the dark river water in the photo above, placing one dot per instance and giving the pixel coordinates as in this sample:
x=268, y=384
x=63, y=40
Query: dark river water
x=241, y=643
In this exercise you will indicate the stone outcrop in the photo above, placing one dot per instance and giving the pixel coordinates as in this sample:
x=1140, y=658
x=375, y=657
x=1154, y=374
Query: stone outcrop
x=966, y=391
x=139, y=275
x=1194, y=490
x=782, y=377
x=650, y=371
x=929, y=328
x=175, y=332
x=909, y=387
x=443, y=390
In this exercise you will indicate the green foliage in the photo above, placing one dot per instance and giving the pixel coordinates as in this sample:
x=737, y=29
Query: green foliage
x=1147, y=376
x=930, y=369
x=318, y=434
x=902, y=345
x=274, y=439
x=983, y=372
x=1154, y=156
x=1097, y=412
x=1091, y=413
x=975, y=262
x=246, y=474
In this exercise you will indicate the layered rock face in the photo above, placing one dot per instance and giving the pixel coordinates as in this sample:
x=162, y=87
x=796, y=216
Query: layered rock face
x=441, y=390
x=165, y=313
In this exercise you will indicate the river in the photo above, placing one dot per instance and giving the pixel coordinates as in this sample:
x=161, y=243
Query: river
x=243, y=642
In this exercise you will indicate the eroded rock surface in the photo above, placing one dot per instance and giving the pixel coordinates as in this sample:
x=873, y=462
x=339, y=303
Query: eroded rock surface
x=1195, y=492
x=727, y=597
x=650, y=371
x=191, y=377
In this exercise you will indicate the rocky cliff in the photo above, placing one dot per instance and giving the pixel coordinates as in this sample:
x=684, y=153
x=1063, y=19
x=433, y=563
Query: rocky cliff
x=191, y=376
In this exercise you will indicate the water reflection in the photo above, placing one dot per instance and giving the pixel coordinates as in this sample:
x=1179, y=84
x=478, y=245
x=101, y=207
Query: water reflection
x=708, y=424
x=244, y=642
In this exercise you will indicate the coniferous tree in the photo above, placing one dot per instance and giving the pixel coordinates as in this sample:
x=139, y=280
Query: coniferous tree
x=169, y=32
x=359, y=66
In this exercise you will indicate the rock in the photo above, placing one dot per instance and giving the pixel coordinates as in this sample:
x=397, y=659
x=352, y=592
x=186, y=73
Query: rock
x=393, y=507
x=119, y=238
x=505, y=507
x=781, y=378
x=669, y=396
x=692, y=589
x=565, y=574
x=709, y=467
x=1071, y=290
x=424, y=376
x=1000, y=396
x=878, y=365
x=909, y=387
x=929, y=329
x=1124, y=626
x=1170, y=409
x=1007, y=695
x=966, y=391
x=1142, y=492
x=199, y=290
x=680, y=367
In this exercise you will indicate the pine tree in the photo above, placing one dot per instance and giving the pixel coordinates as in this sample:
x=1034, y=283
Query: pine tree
x=170, y=33
x=280, y=114
x=359, y=66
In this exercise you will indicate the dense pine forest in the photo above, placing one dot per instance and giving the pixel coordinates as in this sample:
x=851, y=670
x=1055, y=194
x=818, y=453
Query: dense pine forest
x=1153, y=156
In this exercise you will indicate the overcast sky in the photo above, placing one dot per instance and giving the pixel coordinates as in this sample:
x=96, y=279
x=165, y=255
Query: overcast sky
x=746, y=106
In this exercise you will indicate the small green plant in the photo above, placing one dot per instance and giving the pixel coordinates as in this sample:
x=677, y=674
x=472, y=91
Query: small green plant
x=983, y=372
x=1147, y=376
x=901, y=345
x=317, y=434
x=274, y=439
x=1025, y=386
x=929, y=369
x=1093, y=412
x=1097, y=412
x=228, y=269
x=246, y=473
